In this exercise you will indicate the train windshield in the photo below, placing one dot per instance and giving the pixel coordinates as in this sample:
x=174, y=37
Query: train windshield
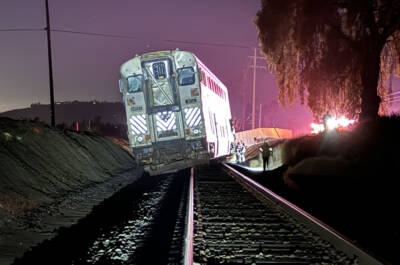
x=159, y=70
x=161, y=89
x=135, y=83
x=186, y=76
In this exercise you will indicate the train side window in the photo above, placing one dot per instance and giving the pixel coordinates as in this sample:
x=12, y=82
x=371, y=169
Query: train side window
x=186, y=76
x=134, y=83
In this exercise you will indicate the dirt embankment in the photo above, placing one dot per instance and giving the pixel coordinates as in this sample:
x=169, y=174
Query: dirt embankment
x=50, y=178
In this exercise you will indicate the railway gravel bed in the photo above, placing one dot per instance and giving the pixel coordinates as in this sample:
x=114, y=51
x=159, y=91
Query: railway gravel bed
x=141, y=224
x=20, y=233
x=233, y=227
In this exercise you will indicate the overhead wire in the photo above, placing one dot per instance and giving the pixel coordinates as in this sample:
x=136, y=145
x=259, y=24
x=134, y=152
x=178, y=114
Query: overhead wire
x=94, y=34
x=392, y=97
x=393, y=93
x=209, y=44
x=167, y=40
x=16, y=30
x=239, y=46
x=134, y=37
x=394, y=101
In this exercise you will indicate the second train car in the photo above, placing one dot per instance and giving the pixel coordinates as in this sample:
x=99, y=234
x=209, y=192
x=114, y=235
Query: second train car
x=177, y=111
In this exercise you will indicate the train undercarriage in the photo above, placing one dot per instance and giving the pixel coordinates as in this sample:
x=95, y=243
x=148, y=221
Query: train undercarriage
x=171, y=156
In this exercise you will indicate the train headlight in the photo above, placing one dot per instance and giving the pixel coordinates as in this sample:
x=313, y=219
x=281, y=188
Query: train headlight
x=196, y=131
x=139, y=138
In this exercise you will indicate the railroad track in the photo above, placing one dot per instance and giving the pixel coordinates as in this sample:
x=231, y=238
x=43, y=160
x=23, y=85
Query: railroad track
x=239, y=222
x=212, y=215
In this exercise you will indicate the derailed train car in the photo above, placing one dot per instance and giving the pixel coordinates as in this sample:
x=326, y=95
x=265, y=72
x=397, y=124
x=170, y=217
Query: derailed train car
x=177, y=111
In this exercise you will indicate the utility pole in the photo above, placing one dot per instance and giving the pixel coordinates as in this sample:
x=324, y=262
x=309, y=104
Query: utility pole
x=52, y=111
x=255, y=66
x=253, y=105
x=244, y=102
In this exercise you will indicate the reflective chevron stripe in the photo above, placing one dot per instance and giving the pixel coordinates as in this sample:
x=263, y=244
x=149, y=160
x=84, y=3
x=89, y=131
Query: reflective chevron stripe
x=165, y=121
x=138, y=124
x=192, y=116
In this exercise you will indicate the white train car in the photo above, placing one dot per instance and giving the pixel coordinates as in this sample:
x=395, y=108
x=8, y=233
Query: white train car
x=177, y=111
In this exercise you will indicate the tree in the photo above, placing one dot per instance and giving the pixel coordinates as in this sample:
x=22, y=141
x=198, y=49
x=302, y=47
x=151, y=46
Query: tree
x=338, y=54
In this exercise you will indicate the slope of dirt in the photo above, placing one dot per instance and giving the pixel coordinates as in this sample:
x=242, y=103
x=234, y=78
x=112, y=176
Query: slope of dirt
x=349, y=180
x=51, y=178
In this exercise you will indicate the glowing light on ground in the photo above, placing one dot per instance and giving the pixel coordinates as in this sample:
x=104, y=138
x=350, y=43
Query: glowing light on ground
x=332, y=124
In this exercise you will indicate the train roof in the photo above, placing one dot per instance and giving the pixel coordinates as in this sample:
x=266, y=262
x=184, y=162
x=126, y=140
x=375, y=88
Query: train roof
x=150, y=55
x=154, y=54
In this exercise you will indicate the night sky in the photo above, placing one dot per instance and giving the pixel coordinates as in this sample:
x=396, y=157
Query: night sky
x=86, y=67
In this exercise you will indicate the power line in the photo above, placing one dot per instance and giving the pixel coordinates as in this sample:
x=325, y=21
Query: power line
x=16, y=30
x=393, y=93
x=168, y=40
x=255, y=66
x=98, y=34
x=210, y=44
x=393, y=101
x=95, y=34
x=391, y=98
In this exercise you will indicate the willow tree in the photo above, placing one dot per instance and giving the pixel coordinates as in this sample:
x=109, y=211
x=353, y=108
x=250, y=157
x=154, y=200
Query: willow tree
x=337, y=54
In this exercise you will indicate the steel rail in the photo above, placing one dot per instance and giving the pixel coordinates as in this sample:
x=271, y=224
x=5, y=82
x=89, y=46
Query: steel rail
x=323, y=230
x=188, y=248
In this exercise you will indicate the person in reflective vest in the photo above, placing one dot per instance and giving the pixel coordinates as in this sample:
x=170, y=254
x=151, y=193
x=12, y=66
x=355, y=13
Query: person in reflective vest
x=238, y=150
x=266, y=152
x=232, y=148
x=243, y=152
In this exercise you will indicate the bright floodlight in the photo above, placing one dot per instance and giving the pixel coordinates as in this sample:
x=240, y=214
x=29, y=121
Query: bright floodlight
x=331, y=123
x=316, y=128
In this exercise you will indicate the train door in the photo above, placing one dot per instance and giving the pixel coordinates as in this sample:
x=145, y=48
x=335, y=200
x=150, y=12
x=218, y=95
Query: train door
x=216, y=133
x=162, y=98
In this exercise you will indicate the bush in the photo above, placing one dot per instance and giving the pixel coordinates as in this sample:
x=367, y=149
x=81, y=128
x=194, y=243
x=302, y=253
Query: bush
x=297, y=149
x=372, y=144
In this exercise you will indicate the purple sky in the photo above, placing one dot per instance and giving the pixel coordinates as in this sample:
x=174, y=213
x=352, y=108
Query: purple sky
x=86, y=67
